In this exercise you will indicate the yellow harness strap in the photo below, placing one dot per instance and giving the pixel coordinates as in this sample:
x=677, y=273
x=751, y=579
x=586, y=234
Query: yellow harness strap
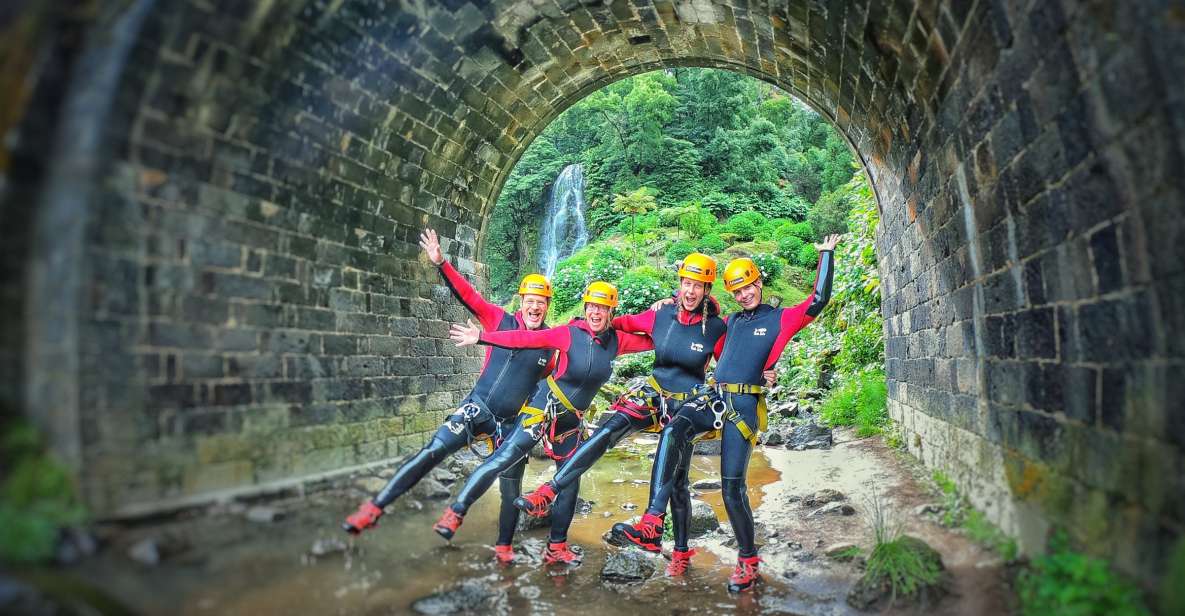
x=534, y=415
x=735, y=417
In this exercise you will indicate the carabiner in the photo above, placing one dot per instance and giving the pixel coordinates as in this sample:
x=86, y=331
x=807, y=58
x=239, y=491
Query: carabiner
x=718, y=422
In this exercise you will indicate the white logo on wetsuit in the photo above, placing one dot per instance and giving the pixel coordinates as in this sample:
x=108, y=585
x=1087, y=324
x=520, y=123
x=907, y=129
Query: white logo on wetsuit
x=542, y=361
x=760, y=331
x=697, y=347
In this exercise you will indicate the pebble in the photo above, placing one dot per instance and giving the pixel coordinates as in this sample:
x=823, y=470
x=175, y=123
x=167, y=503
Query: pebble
x=628, y=506
x=145, y=552
x=263, y=515
x=833, y=509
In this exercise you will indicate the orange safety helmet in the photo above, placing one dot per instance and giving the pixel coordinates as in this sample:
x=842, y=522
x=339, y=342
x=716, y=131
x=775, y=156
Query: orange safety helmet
x=739, y=273
x=535, y=284
x=602, y=293
x=698, y=266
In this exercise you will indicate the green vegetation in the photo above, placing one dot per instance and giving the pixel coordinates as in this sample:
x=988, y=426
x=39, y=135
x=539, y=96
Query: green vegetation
x=901, y=564
x=859, y=401
x=36, y=498
x=957, y=512
x=1064, y=581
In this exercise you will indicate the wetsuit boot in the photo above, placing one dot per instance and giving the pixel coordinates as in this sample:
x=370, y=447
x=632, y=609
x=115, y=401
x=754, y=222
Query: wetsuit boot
x=448, y=523
x=646, y=534
x=368, y=515
x=560, y=553
x=680, y=561
x=745, y=575
x=504, y=554
x=537, y=503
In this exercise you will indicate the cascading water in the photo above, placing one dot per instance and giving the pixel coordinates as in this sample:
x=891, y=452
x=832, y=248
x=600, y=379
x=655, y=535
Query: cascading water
x=563, y=231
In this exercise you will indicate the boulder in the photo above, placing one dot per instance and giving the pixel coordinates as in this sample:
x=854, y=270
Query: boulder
x=834, y=509
x=707, y=484
x=707, y=448
x=371, y=485
x=703, y=519
x=822, y=497
x=444, y=476
x=875, y=591
x=145, y=552
x=470, y=596
x=429, y=489
x=263, y=515
x=628, y=567
x=809, y=436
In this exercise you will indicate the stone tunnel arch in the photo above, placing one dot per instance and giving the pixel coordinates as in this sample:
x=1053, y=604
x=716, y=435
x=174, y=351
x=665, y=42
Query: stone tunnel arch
x=251, y=313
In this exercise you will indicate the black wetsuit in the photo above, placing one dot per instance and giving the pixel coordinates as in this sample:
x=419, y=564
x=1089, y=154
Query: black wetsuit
x=507, y=378
x=753, y=344
x=683, y=345
x=584, y=365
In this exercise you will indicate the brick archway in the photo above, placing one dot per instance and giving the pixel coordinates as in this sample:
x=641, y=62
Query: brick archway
x=253, y=312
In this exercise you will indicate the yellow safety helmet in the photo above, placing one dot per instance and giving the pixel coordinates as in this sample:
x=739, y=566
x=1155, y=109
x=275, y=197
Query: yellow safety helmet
x=739, y=273
x=535, y=284
x=602, y=293
x=698, y=266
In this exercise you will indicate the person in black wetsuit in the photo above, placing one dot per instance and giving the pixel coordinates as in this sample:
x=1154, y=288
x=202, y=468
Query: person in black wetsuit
x=555, y=413
x=734, y=405
x=686, y=334
x=507, y=379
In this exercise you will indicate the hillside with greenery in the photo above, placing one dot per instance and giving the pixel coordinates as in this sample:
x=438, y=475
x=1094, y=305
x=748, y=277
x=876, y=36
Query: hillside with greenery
x=710, y=161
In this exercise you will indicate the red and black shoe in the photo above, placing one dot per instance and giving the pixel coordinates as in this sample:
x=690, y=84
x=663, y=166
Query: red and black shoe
x=560, y=553
x=504, y=554
x=448, y=523
x=368, y=515
x=745, y=576
x=537, y=503
x=646, y=534
x=680, y=561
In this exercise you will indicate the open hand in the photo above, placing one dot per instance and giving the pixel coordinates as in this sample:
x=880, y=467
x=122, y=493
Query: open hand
x=464, y=336
x=662, y=302
x=828, y=242
x=771, y=377
x=431, y=245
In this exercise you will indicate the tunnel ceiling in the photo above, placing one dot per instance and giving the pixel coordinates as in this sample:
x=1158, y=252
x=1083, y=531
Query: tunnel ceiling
x=225, y=279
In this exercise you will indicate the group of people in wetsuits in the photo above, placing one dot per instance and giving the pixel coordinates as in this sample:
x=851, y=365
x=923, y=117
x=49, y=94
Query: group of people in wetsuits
x=538, y=382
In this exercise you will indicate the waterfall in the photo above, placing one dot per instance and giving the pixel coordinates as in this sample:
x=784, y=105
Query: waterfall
x=563, y=231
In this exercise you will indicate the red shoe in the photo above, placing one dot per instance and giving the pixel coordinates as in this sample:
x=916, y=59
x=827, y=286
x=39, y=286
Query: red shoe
x=646, y=534
x=745, y=576
x=368, y=515
x=448, y=523
x=537, y=503
x=504, y=554
x=680, y=560
x=560, y=553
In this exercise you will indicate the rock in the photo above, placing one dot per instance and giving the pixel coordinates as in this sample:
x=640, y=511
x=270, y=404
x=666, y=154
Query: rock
x=470, y=596
x=584, y=507
x=464, y=463
x=640, y=482
x=706, y=448
x=443, y=475
x=74, y=544
x=842, y=552
x=834, y=509
x=328, y=545
x=785, y=409
x=617, y=481
x=429, y=489
x=772, y=437
x=413, y=505
x=809, y=436
x=822, y=497
x=387, y=473
x=928, y=508
x=628, y=567
x=538, y=453
x=628, y=506
x=371, y=485
x=530, y=522
x=145, y=552
x=794, y=546
x=875, y=591
x=707, y=484
x=703, y=519
x=263, y=515
x=804, y=557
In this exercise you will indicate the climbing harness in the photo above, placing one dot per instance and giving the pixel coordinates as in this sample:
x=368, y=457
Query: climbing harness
x=544, y=421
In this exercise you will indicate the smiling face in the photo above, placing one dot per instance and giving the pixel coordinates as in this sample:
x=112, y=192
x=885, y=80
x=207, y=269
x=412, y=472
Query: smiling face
x=597, y=316
x=748, y=296
x=534, y=309
x=691, y=292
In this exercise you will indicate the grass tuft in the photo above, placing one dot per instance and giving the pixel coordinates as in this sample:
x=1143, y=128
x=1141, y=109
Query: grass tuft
x=860, y=401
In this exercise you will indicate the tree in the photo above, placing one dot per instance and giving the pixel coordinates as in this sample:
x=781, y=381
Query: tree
x=633, y=205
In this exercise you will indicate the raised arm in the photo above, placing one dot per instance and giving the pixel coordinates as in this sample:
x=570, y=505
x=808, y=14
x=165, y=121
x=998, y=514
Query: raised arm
x=634, y=323
x=558, y=338
x=489, y=315
x=797, y=317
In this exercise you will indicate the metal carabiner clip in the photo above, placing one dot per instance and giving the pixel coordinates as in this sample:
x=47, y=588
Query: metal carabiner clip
x=718, y=422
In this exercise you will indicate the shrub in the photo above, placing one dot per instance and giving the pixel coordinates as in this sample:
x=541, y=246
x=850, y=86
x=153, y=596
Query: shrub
x=637, y=289
x=567, y=285
x=859, y=401
x=745, y=225
x=607, y=264
x=678, y=250
x=808, y=257
x=711, y=244
x=863, y=346
x=789, y=247
x=803, y=231
x=771, y=267
x=630, y=366
x=696, y=222
x=1066, y=582
x=36, y=498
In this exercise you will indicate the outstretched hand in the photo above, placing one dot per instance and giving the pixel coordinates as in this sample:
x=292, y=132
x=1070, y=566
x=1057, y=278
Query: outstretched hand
x=431, y=245
x=464, y=336
x=828, y=242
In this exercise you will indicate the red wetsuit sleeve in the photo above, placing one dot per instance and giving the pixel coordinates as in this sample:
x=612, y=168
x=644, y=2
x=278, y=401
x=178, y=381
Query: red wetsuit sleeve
x=719, y=348
x=633, y=343
x=641, y=322
x=552, y=338
x=793, y=320
x=488, y=314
